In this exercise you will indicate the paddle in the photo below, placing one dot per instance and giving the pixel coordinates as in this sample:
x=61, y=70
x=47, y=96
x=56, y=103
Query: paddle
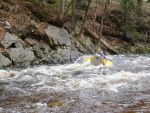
x=108, y=62
x=102, y=60
x=87, y=58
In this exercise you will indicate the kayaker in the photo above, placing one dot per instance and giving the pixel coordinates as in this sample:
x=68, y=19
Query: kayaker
x=100, y=53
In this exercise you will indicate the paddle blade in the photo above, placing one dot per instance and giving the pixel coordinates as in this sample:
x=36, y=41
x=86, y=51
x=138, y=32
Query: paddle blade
x=108, y=62
x=87, y=58
x=102, y=60
x=92, y=58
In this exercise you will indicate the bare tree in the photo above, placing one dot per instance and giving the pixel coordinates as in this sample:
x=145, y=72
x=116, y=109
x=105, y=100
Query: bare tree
x=73, y=14
x=139, y=7
x=102, y=20
x=85, y=18
x=41, y=6
x=68, y=7
x=62, y=9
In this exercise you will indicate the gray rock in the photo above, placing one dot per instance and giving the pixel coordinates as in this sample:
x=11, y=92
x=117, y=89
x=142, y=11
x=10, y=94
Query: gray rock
x=10, y=39
x=38, y=51
x=4, y=61
x=57, y=36
x=62, y=56
x=20, y=56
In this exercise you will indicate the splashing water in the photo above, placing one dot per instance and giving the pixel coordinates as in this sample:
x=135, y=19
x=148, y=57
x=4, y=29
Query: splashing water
x=79, y=87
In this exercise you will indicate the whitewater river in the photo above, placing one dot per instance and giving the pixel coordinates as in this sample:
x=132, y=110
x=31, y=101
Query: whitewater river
x=79, y=87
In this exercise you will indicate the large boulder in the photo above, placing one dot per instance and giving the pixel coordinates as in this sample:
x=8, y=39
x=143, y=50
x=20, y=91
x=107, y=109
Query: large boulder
x=18, y=53
x=10, y=39
x=59, y=56
x=60, y=40
x=57, y=36
x=21, y=56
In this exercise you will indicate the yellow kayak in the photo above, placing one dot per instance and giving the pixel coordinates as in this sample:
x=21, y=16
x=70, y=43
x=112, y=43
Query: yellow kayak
x=97, y=60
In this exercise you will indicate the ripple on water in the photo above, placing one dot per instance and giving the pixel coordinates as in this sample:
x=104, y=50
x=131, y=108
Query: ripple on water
x=79, y=87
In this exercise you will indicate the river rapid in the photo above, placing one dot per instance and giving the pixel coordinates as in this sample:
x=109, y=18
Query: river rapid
x=78, y=87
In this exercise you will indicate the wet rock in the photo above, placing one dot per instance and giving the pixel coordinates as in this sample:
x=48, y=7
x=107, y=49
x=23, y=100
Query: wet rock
x=62, y=56
x=74, y=55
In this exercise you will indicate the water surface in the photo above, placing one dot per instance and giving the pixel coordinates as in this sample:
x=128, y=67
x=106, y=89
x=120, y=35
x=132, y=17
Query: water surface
x=79, y=87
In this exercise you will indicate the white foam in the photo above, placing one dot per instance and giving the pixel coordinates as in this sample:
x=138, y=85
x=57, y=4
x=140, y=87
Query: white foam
x=26, y=78
x=7, y=74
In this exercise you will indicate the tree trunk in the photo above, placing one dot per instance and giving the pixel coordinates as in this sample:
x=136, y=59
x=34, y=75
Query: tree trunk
x=95, y=36
x=95, y=15
x=139, y=7
x=67, y=9
x=41, y=6
x=73, y=14
x=102, y=20
x=85, y=18
x=62, y=9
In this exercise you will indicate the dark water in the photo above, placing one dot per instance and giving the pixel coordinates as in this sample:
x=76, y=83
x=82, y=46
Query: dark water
x=78, y=88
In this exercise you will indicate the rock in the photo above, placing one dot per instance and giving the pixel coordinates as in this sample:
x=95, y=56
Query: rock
x=44, y=47
x=20, y=56
x=62, y=56
x=74, y=55
x=7, y=25
x=10, y=39
x=29, y=41
x=38, y=51
x=4, y=61
x=57, y=36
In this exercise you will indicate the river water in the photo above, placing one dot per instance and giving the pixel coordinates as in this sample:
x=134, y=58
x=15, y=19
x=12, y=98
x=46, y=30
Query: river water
x=79, y=87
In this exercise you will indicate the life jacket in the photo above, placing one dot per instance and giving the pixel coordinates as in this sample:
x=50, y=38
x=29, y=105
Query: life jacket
x=102, y=55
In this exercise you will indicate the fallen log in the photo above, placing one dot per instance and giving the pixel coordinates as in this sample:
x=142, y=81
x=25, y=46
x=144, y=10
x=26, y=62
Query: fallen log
x=95, y=36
